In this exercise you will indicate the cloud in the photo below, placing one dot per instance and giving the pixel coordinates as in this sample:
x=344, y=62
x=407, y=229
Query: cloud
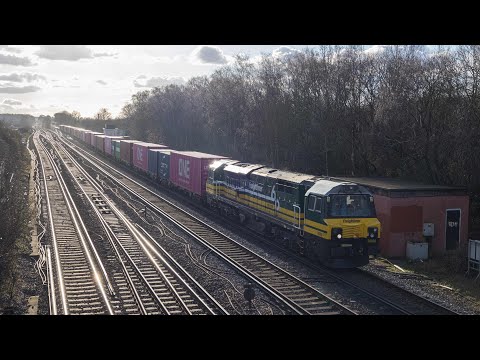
x=21, y=77
x=12, y=102
x=103, y=54
x=6, y=108
x=18, y=90
x=284, y=52
x=159, y=81
x=141, y=77
x=101, y=82
x=209, y=55
x=10, y=49
x=15, y=60
x=64, y=52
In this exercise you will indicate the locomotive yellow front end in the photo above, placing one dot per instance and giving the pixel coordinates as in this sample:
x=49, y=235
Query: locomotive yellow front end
x=341, y=226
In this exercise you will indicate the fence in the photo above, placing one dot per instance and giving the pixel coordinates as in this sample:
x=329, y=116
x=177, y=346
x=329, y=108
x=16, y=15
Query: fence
x=474, y=255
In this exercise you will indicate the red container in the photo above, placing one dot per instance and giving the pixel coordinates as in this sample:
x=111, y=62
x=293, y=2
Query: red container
x=126, y=150
x=108, y=143
x=140, y=154
x=189, y=169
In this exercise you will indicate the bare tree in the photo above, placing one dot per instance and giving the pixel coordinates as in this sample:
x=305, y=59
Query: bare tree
x=103, y=114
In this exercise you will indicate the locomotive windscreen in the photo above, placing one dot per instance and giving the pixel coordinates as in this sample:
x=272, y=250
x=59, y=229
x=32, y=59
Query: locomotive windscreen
x=351, y=206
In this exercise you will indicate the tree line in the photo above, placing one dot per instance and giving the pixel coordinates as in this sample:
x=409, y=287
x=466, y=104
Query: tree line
x=402, y=112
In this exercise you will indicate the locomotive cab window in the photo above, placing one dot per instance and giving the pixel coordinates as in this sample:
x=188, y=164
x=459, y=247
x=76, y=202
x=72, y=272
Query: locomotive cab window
x=311, y=203
x=319, y=205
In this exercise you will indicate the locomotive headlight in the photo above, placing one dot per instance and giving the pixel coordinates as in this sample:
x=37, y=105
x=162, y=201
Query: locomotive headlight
x=372, y=232
x=336, y=233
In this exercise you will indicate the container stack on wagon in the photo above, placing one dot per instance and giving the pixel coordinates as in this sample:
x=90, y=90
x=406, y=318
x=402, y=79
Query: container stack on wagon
x=126, y=151
x=93, y=140
x=159, y=164
x=100, y=143
x=109, y=149
x=140, y=154
x=189, y=170
x=163, y=165
x=116, y=149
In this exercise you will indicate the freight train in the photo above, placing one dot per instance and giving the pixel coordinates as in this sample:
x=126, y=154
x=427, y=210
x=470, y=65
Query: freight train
x=325, y=219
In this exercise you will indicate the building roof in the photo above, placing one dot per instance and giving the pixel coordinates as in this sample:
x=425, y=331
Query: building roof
x=396, y=184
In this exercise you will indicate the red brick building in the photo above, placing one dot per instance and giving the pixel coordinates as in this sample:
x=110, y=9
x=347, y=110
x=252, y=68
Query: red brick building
x=405, y=208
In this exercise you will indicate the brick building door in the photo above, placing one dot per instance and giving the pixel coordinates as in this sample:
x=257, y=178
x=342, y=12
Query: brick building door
x=452, y=233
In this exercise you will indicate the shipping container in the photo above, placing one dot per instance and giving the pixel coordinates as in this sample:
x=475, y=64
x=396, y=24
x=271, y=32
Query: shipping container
x=126, y=150
x=163, y=166
x=140, y=154
x=108, y=143
x=93, y=140
x=189, y=169
x=153, y=155
x=116, y=149
x=152, y=162
x=86, y=138
x=100, y=143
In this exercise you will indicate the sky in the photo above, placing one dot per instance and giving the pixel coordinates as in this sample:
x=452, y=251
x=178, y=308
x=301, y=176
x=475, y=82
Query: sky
x=45, y=79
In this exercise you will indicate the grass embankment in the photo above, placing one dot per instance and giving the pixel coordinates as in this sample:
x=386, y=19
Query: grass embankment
x=15, y=261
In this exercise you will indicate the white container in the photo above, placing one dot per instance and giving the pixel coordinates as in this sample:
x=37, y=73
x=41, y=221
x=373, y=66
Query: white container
x=417, y=250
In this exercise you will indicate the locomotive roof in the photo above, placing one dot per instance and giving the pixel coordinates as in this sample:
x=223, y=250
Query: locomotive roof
x=282, y=175
x=325, y=187
x=242, y=168
x=291, y=176
x=216, y=164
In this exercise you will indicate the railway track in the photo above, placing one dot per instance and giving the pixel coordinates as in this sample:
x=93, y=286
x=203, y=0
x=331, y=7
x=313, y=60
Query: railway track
x=147, y=282
x=298, y=296
x=80, y=287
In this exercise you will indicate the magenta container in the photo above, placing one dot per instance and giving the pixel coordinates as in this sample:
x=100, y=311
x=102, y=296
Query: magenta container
x=140, y=154
x=189, y=170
